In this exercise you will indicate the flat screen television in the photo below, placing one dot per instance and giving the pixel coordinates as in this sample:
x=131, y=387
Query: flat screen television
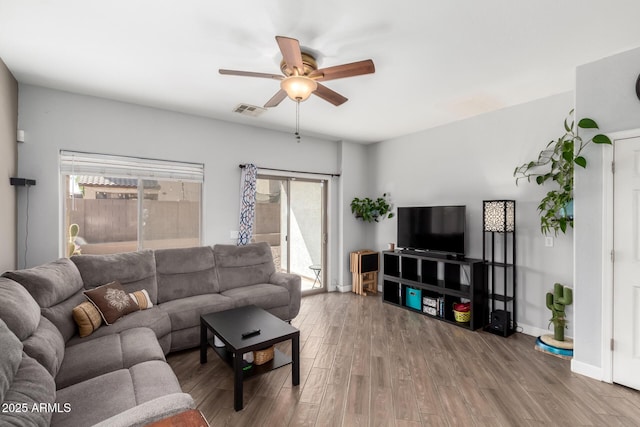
x=432, y=228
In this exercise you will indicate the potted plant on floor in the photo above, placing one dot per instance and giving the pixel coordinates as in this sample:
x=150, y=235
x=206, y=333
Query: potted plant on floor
x=370, y=210
x=556, y=164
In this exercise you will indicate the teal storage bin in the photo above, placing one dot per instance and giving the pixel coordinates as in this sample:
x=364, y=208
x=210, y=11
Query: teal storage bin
x=413, y=298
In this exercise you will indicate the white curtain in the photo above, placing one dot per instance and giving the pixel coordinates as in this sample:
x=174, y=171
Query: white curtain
x=247, y=203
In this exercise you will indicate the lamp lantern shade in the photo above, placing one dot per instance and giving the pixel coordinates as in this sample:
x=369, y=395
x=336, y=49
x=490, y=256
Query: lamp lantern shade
x=499, y=215
x=298, y=88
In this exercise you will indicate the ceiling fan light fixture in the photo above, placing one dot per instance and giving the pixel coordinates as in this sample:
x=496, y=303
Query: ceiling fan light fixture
x=298, y=88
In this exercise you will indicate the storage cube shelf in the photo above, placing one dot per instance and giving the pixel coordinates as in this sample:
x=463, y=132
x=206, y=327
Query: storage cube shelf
x=441, y=282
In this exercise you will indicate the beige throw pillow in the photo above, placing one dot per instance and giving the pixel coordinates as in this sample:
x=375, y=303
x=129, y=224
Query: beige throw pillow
x=142, y=299
x=87, y=317
x=112, y=301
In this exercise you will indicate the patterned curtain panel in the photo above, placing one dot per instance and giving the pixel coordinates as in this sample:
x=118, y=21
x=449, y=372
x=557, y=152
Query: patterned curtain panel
x=247, y=203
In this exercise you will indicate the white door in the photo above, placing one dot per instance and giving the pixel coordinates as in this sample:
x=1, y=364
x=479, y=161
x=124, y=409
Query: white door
x=626, y=267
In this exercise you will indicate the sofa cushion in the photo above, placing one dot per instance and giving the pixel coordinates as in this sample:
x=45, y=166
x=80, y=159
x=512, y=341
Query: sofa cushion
x=134, y=270
x=51, y=283
x=10, y=358
x=46, y=345
x=19, y=310
x=185, y=272
x=32, y=385
x=61, y=315
x=186, y=338
x=154, y=319
x=263, y=295
x=116, y=392
x=107, y=354
x=185, y=312
x=87, y=317
x=57, y=288
x=112, y=301
x=239, y=266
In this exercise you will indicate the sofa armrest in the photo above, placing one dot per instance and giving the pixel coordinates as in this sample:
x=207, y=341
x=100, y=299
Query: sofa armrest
x=292, y=283
x=151, y=411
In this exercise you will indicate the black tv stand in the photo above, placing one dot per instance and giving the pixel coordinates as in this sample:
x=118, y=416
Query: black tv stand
x=409, y=251
x=445, y=279
x=430, y=254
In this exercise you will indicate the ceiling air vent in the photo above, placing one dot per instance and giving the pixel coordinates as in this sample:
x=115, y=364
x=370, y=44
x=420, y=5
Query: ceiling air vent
x=249, y=110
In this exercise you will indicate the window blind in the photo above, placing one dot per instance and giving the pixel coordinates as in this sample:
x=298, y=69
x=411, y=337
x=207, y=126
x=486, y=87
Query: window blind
x=78, y=163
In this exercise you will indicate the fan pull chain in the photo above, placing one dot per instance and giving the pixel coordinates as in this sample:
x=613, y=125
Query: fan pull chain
x=297, y=121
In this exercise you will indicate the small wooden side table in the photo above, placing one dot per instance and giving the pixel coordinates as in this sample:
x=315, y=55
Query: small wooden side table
x=364, y=268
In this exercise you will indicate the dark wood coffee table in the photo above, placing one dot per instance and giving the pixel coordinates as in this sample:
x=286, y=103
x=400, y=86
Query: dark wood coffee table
x=229, y=325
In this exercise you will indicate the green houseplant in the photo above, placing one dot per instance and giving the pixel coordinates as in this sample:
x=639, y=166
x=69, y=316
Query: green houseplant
x=556, y=164
x=370, y=210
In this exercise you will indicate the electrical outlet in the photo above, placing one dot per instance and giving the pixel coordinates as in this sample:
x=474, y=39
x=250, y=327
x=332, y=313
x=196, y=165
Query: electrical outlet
x=548, y=241
x=233, y=234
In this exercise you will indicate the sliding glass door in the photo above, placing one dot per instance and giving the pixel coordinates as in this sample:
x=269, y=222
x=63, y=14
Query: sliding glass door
x=291, y=217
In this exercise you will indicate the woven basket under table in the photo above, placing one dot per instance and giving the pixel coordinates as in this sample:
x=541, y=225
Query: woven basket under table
x=261, y=357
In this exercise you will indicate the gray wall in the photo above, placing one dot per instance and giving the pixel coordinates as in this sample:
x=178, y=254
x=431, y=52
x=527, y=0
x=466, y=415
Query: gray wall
x=604, y=92
x=356, y=181
x=57, y=120
x=8, y=167
x=473, y=160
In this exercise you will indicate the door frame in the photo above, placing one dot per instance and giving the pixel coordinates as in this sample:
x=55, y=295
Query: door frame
x=607, y=250
x=328, y=182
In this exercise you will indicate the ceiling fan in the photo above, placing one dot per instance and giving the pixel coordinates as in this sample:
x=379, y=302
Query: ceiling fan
x=301, y=75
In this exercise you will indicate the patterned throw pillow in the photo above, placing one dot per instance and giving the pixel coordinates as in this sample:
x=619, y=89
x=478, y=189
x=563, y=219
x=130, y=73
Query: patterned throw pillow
x=112, y=301
x=87, y=317
x=142, y=298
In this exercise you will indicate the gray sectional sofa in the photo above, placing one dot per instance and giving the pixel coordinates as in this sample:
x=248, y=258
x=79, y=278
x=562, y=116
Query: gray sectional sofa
x=118, y=375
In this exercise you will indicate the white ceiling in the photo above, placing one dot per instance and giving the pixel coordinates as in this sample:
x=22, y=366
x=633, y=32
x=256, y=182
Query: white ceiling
x=437, y=61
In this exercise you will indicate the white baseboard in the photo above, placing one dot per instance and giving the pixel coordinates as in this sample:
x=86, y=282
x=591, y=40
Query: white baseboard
x=532, y=330
x=587, y=370
x=344, y=288
x=349, y=288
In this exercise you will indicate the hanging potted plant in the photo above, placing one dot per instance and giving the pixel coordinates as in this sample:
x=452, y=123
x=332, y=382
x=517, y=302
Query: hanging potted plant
x=370, y=210
x=556, y=164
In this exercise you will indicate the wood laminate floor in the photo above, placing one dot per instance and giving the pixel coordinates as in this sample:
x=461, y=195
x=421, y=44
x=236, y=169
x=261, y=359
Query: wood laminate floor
x=365, y=363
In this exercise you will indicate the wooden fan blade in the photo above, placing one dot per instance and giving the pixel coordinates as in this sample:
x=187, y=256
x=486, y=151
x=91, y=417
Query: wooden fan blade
x=291, y=53
x=346, y=70
x=276, y=99
x=250, y=74
x=329, y=95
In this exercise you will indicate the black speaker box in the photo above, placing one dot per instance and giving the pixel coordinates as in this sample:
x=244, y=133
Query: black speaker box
x=500, y=322
x=22, y=182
